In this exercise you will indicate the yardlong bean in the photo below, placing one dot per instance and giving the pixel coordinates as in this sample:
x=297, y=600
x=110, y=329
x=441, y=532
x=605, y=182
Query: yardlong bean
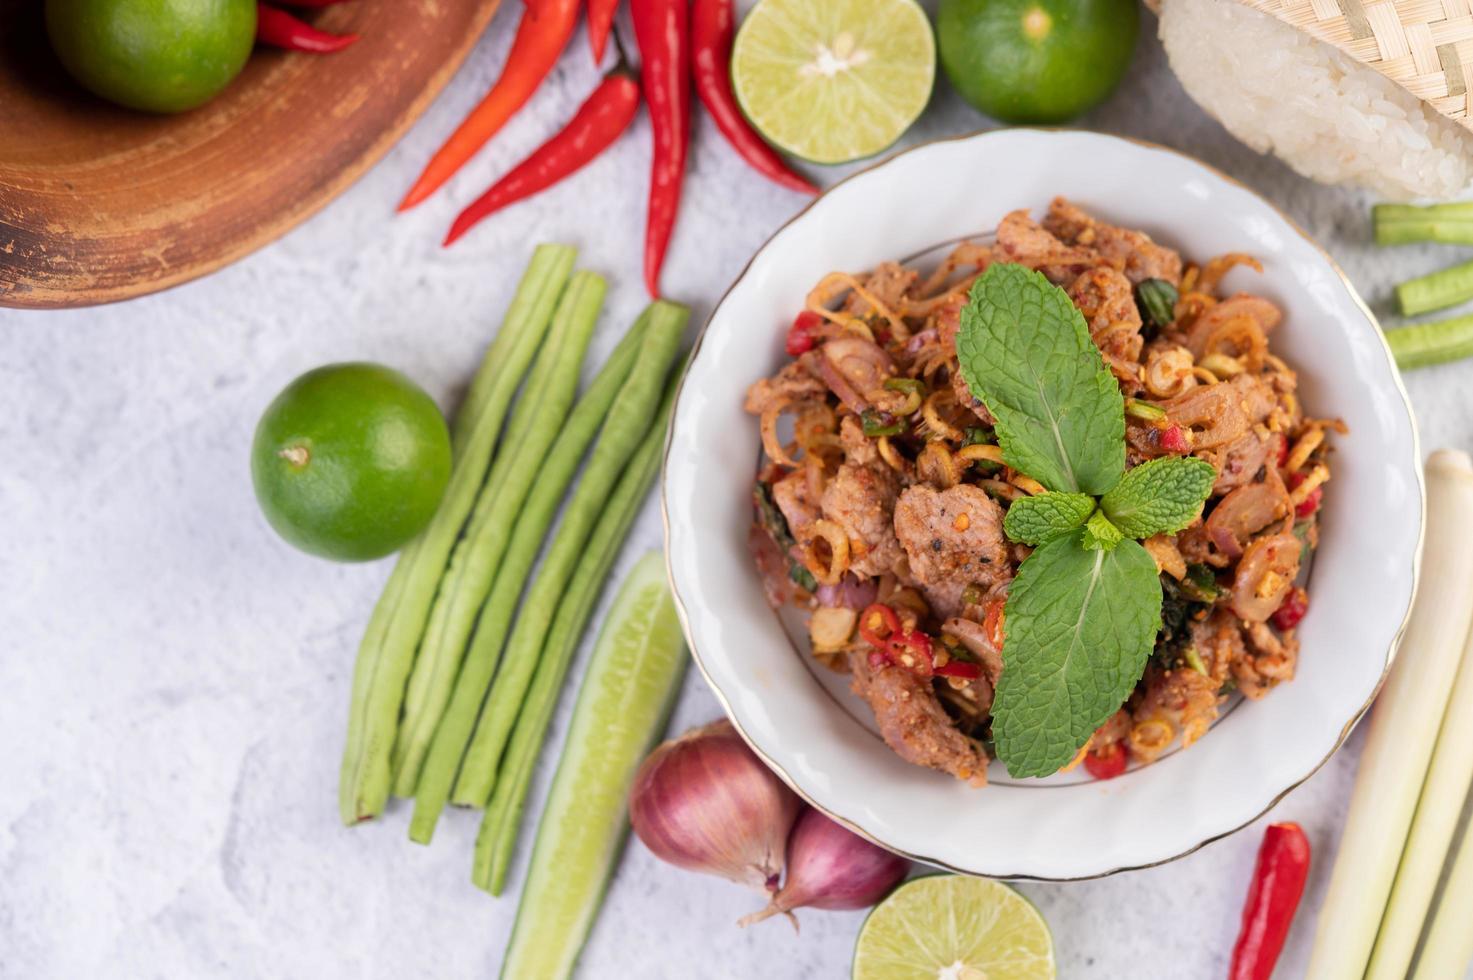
x=499, y=827
x=386, y=654
x=546, y=398
x=629, y=418
x=458, y=721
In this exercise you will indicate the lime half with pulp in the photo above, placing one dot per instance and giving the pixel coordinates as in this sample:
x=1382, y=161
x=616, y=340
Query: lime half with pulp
x=950, y=927
x=833, y=80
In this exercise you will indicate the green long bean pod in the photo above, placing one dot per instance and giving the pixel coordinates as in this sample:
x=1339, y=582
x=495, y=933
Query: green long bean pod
x=1425, y=344
x=1401, y=224
x=499, y=827
x=458, y=721
x=629, y=418
x=386, y=654
x=546, y=398
x=1436, y=290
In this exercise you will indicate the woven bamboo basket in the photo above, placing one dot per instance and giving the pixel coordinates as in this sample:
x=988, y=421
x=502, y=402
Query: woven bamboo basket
x=1425, y=46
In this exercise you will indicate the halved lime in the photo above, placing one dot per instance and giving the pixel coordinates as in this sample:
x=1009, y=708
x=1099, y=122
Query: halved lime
x=833, y=80
x=950, y=927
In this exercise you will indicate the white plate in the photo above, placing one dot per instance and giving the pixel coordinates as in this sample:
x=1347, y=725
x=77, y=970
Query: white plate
x=1060, y=828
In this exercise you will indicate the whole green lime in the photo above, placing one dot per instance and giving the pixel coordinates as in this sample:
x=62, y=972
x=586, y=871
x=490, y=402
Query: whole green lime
x=1036, y=61
x=350, y=461
x=156, y=55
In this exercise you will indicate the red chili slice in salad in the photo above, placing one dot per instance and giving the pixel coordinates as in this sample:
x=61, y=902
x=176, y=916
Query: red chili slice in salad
x=1296, y=604
x=800, y=334
x=1107, y=764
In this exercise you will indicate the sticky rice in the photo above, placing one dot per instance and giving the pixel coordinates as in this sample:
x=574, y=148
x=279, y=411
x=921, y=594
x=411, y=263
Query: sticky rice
x=1329, y=117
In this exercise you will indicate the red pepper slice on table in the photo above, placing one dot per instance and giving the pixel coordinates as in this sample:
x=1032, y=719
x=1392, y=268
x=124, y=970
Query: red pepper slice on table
x=283, y=30
x=711, y=33
x=1273, y=897
x=541, y=36
x=1107, y=764
x=660, y=26
x=597, y=123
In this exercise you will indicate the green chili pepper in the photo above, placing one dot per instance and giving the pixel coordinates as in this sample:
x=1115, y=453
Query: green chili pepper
x=1144, y=411
x=876, y=423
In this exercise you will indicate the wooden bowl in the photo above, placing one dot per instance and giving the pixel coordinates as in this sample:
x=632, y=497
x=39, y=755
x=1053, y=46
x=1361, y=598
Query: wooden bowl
x=100, y=203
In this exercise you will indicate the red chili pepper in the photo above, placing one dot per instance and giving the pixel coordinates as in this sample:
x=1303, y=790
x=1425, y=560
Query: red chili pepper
x=1283, y=451
x=282, y=30
x=1309, y=504
x=1273, y=897
x=992, y=621
x=711, y=32
x=913, y=650
x=600, y=25
x=311, y=3
x=598, y=122
x=541, y=36
x=800, y=334
x=660, y=26
x=1174, y=440
x=1107, y=764
x=1295, y=605
x=875, y=616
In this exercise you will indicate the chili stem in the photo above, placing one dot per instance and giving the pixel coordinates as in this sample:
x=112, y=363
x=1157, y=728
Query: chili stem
x=1401, y=224
x=1436, y=291
x=546, y=398
x=628, y=419
x=499, y=827
x=386, y=655
x=1424, y=344
x=478, y=665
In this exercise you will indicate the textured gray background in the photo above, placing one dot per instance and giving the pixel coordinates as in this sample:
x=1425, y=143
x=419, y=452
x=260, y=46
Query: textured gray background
x=173, y=680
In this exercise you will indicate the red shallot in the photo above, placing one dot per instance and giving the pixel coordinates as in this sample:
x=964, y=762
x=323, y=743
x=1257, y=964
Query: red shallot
x=705, y=802
x=830, y=867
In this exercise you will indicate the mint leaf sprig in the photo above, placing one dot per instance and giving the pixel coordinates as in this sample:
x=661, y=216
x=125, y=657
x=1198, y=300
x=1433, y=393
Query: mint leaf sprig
x=1083, y=613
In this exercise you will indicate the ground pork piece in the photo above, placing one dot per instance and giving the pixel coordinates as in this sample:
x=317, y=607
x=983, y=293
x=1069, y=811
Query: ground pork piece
x=1113, y=731
x=1184, y=699
x=860, y=498
x=1255, y=398
x=913, y=722
x=948, y=323
x=1240, y=460
x=1022, y=240
x=797, y=381
x=952, y=538
x=1132, y=251
x=1219, y=643
x=795, y=499
x=888, y=283
x=1106, y=299
x=1270, y=658
x=858, y=447
x=1255, y=308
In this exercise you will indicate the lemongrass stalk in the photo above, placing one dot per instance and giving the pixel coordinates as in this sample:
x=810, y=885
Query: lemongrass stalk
x=546, y=398
x=442, y=762
x=1400, y=224
x=499, y=827
x=386, y=655
x=1438, y=810
x=1403, y=728
x=1436, y=342
x=629, y=418
x=1449, y=945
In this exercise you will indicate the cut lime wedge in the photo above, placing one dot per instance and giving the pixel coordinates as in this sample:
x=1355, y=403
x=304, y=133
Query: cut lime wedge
x=622, y=706
x=949, y=927
x=833, y=80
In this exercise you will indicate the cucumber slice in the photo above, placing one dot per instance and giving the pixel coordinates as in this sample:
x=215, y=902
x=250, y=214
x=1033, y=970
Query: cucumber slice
x=622, y=708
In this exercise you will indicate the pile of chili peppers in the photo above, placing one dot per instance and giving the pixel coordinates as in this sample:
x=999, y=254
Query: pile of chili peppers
x=680, y=44
x=280, y=29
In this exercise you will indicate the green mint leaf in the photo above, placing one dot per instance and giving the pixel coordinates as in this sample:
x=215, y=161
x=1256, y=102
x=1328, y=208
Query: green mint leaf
x=1079, y=627
x=1159, y=497
x=1025, y=351
x=1100, y=534
x=1034, y=520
